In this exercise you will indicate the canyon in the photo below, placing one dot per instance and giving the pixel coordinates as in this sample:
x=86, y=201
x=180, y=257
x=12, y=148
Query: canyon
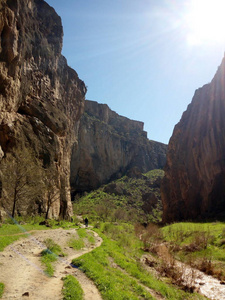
x=42, y=111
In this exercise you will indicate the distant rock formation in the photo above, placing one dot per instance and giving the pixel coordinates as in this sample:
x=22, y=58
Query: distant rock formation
x=194, y=182
x=41, y=98
x=109, y=146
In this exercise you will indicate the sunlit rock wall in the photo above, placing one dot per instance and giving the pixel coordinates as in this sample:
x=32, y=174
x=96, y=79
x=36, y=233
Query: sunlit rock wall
x=41, y=98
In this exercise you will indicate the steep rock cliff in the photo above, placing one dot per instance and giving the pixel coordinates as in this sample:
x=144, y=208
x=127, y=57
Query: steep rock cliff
x=194, y=182
x=110, y=145
x=41, y=98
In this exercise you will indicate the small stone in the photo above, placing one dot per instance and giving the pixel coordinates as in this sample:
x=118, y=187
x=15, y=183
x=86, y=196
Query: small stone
x=68, y=267
x=26, y=294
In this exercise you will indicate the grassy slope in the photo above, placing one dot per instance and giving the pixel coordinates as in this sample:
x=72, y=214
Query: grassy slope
x=116, y=271
x=10, y=233
x=115, y=266
x=122, y=199
x=200, y=244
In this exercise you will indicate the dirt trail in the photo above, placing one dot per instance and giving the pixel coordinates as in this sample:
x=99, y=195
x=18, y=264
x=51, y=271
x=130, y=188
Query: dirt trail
x=22, y=272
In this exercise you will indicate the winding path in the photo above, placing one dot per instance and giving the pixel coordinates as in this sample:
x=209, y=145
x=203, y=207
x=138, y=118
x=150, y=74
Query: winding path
x=22, y=273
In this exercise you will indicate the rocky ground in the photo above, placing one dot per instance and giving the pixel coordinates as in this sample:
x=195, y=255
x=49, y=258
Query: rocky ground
x=22, y=272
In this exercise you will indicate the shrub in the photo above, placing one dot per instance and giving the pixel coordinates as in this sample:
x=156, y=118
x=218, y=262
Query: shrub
x=47, y=259
x=52, y=246
x=50, y=255
x=150, y=235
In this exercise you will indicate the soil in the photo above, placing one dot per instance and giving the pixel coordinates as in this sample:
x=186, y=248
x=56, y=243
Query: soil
x=23, y=275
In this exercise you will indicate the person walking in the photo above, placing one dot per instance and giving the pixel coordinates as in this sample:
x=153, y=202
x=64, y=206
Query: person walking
x=86, y=222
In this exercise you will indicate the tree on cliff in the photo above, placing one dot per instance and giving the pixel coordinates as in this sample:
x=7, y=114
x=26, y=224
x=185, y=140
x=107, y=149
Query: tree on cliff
x=21, y=179
x=52, y=191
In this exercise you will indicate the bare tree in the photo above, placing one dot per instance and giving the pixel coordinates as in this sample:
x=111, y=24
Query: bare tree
x=21, y=178
x=52, y=190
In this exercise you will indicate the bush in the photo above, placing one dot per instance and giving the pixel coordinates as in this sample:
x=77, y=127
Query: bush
x=53, y=247
x=47, y=258
x=50, y=255
x=151, y=234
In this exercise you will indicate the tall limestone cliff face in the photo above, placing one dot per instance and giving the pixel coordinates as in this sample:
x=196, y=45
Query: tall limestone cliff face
x=194, y=182
x=109, y=146
x=41, y=98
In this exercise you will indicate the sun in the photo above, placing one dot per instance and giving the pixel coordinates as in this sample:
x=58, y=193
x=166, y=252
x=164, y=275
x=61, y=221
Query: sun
x=205, y=21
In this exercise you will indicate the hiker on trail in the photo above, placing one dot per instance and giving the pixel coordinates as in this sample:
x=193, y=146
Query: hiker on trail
x=86, y=222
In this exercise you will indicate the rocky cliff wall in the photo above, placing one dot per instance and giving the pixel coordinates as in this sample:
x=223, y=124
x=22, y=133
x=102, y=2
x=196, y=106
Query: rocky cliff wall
x=194, y=182
x=109, y=146
x=41, y=98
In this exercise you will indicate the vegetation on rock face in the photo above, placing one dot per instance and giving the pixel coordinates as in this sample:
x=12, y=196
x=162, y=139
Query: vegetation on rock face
x=135, y=199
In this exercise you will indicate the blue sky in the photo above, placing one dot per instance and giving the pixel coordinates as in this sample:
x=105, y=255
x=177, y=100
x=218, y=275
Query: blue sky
x=136, y=56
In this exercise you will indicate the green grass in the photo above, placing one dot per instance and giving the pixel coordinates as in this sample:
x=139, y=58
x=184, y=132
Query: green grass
x=125, y=281
x=47, y=259
x=1, y=289
x=9, y=229
x=84, y=240
x=82, y=232
x=10, y=233
x=201, y=244
x=50, y=255
x=91, y=239
x=53, y=247
x=7, y=240
x=75, y=243
x=123, y=200
x=72, y=289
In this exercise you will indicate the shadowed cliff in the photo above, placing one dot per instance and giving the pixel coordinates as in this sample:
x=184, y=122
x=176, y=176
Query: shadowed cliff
x=194, y=182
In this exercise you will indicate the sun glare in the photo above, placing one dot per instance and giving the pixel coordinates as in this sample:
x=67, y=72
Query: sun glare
x=206, y=22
